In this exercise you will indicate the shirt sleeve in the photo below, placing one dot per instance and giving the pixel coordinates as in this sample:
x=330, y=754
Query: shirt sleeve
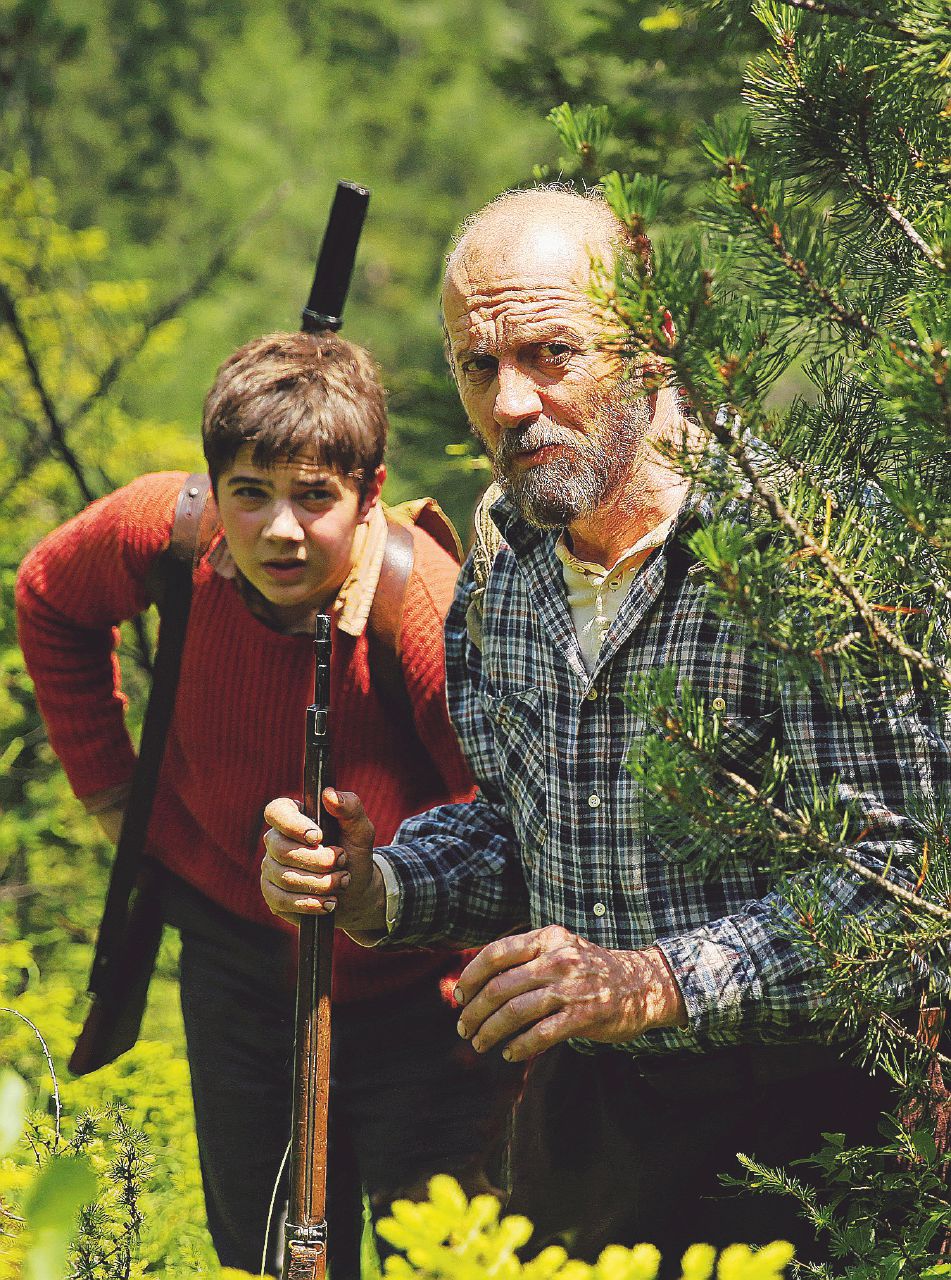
x=72, y=591
x=753, y=974
x=460, y=878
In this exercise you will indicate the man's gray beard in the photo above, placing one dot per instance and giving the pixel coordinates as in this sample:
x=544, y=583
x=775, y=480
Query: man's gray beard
x=553, y=494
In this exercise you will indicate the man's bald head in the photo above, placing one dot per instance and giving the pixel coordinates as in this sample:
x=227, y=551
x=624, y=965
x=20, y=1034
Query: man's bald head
x=554, y=213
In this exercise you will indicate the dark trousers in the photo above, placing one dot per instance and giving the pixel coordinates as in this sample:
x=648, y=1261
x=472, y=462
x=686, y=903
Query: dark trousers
x=408, y=1098
x=603, y=1153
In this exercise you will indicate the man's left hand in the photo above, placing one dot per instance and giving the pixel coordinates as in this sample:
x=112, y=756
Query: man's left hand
x=533, y=990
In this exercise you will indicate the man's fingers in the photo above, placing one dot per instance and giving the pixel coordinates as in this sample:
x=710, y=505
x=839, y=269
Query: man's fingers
x=495, y=958
x=514, y=1017
x=498, y=991
x=302, y=883
x=285, y=816
x=356, y=829
x=545, y=1034
x=289, y=893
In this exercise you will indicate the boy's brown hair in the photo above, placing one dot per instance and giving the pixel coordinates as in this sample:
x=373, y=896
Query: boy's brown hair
x=298, y=393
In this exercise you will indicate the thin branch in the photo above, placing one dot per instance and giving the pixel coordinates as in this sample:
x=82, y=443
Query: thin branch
x=827, y=847
x=834, y=9
x=878, y=199
x=168, y=310
x=59, y=427
x=49, y=1062
x=55, y=424
x=767, y=498
x=901, y=1033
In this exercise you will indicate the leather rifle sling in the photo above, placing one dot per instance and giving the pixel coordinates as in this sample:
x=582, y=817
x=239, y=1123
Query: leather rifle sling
x=124, y=957
x=385, y=623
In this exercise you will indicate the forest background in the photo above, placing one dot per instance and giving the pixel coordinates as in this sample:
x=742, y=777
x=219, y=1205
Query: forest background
x=166, y=174
x=165, y=178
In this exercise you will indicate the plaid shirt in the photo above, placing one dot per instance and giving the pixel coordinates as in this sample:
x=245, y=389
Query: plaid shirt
x=557, y=834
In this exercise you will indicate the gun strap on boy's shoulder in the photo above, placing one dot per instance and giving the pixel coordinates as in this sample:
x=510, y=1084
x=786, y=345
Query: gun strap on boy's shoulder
x=171, y=586
x=385, y=622
x=131, y=926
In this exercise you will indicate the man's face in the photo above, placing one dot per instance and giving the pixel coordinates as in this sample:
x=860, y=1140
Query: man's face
x=562, y=426
x=290, y=528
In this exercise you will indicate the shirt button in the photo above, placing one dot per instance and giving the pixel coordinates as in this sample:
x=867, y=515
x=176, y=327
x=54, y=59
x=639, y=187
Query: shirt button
x=592, y=695
x=599, y=909
x=594, y=801
x=719, y=704
x=615, y=583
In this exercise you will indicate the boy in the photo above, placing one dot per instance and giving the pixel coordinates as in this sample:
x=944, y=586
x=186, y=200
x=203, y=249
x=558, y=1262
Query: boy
x=294, y=431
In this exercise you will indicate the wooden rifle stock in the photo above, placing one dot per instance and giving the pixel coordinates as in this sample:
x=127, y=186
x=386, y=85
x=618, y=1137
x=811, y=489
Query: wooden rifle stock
x=305, y=1232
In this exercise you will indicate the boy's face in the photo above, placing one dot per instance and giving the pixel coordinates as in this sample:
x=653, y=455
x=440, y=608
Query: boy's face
x=290, y=528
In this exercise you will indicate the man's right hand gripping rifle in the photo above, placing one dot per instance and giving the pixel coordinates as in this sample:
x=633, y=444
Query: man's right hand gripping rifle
x=302, y=876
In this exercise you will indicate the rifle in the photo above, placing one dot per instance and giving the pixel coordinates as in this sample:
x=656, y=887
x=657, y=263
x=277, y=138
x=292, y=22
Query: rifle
x=305, y=1230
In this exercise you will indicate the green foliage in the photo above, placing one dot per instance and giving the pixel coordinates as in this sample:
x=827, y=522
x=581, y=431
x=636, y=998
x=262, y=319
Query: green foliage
x=130, y=1123
x=823, y=252
x=451, y=1238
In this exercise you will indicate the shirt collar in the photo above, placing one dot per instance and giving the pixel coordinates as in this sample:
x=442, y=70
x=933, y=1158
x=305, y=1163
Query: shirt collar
x=697, y=509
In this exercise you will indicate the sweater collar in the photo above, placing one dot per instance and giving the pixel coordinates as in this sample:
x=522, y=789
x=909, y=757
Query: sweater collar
x=352, y=604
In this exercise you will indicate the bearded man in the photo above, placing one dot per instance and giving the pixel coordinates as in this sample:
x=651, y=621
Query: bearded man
x=671, y=1011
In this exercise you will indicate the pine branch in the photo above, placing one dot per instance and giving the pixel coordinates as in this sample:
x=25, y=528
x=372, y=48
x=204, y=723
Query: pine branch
x=833, y=9
x=894, y=1027
x=767, y=498
x=878, y=199
x=824, y=846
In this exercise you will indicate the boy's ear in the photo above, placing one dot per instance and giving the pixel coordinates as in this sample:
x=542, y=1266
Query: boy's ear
x=374, y=489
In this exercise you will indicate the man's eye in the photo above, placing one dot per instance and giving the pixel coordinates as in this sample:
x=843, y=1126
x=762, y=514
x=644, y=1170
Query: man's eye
x=556, y=353
x=476, y=367
x=315, y=495
x=250, y=492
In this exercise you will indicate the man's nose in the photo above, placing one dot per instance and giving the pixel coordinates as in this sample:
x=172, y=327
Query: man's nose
x=517, y=397
x=283, y=523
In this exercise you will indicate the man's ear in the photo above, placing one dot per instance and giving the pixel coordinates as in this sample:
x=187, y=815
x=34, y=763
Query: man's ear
x=372, y=496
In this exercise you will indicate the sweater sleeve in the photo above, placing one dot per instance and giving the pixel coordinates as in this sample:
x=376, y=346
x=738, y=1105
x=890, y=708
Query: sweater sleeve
x=72, y=591
x=428, y=599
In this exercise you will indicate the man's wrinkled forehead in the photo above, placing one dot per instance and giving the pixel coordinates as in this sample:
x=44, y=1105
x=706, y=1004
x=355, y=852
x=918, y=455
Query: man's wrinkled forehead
x=506, y=265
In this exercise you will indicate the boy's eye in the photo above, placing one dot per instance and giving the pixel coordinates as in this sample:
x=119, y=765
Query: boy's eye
x=251, y=491
x=319, y=493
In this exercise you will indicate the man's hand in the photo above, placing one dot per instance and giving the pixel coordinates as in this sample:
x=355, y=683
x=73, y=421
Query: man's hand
x=533, y=990
x=302, y=876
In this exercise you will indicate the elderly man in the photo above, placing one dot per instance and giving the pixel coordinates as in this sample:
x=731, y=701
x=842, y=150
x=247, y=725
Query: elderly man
x=692, y=982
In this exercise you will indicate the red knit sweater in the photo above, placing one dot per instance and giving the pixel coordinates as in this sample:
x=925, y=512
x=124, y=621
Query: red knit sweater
x=236, y=738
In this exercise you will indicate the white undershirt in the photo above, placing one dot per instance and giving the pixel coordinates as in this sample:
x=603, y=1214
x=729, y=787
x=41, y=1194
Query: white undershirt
x=595, y=594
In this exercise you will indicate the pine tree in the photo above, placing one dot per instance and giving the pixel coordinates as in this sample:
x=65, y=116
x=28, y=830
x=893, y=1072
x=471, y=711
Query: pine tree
x=812, y=339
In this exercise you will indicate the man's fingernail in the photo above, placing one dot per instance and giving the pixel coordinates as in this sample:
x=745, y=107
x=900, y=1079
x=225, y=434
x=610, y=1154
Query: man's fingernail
x=329, y=904
x=458, y=996
x=312, y=836
x=507, y=1055
x=342, y=860
x=332, y=796
x=345, y=879
x=462, y=1030
x=477, y=1045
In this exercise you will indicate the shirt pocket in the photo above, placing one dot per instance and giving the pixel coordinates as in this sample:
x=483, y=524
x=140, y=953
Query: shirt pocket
x=518, y=727
x=745, y=744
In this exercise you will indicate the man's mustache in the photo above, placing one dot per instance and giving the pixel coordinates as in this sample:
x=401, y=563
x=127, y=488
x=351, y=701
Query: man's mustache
x=535, y=435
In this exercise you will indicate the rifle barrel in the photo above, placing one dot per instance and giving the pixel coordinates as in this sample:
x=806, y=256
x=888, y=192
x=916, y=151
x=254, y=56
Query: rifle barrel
x=324, y=309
